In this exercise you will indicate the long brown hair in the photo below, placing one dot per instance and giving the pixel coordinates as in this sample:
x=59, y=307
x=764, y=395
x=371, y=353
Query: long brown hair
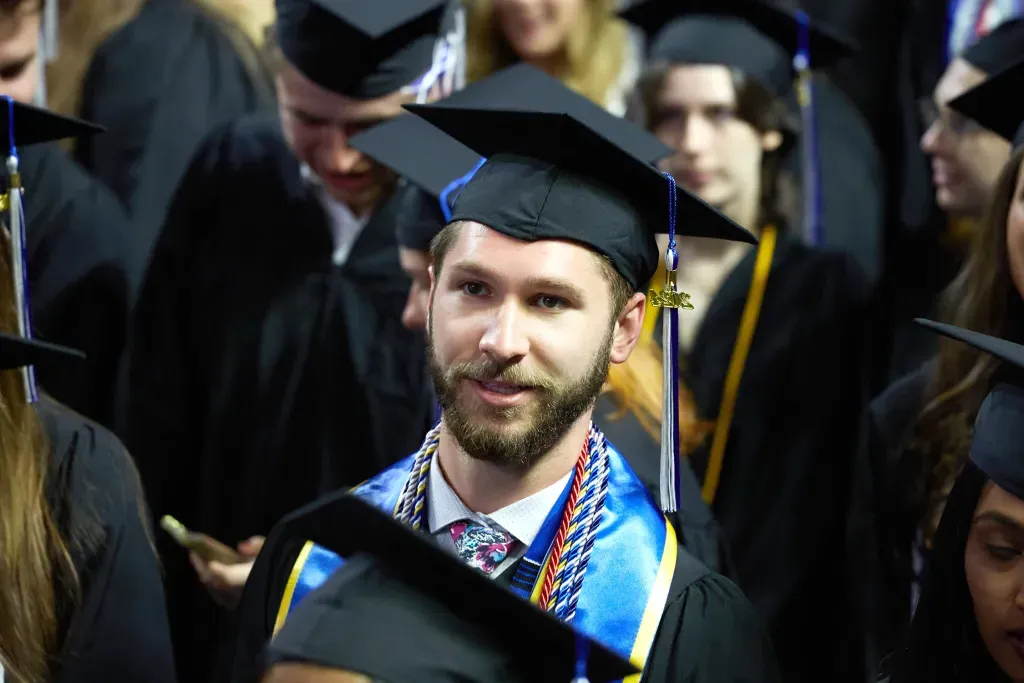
x=595, y=53
x=36, y=570
x=979, y=299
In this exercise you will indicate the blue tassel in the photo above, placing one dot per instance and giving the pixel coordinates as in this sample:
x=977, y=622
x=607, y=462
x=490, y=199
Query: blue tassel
x=670, y=485
x=19, y=265
x=453, y=186
x=813, y=208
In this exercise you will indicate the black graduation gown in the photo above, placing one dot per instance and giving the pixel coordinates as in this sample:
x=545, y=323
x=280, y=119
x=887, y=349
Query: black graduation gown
x=784, y=488
x=84, y=268
x=262, y=375
x=118, y=630
x=159, y=84
x=883, y=522
x=709, y=632
x=695, y=526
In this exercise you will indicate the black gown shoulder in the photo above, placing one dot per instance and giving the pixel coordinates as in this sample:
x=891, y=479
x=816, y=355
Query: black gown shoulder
x=118, y=630
x=694, y=523
x=709, y=632
x=84, y=269
x=159, y=84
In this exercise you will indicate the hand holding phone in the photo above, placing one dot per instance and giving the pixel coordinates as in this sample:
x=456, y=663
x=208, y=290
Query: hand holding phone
x=209, y=549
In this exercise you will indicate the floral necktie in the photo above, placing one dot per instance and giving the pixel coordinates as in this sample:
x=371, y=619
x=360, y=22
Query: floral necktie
x=480, y=546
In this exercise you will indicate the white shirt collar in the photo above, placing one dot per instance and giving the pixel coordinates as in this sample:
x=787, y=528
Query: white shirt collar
x=345, y=226
x=523, y=518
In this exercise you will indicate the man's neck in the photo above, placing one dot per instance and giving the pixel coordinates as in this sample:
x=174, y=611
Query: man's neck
x=486, y=488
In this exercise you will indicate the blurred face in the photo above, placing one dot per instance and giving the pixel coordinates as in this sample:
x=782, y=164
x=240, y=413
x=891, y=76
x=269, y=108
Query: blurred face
x=718, y=155
x=19, y=46
x=537, y=29
x=520, y=338
x=994, y=564
x=318, y=124
x=966, y=158
x=1015, y=233
x=416, y=265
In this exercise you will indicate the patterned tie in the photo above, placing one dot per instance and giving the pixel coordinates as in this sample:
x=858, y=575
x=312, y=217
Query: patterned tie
x=480, y=546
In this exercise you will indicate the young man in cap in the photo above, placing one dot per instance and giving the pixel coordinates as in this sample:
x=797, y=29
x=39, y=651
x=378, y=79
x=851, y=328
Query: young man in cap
x=533, y=295
x=268, y=363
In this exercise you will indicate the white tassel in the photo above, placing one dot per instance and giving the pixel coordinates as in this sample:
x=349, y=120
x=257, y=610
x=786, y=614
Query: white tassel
x=669, y=419
x=17, y=229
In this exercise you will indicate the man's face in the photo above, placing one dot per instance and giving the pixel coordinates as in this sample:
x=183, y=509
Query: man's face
x=19, y=51
x=966, y=158
x=520, y=338
x=318, y=124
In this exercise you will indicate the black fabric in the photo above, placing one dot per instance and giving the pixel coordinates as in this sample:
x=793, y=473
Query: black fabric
x=419, y=219
x=785, y=484
x=998, y=49
x=694, y=523
x=118, y=630
x=159, y=84
x=359, y=49
x=256, y=361
x=32, y=125
x=708, y=633
x=758, y=37
x=17, y=352
x=84, y=268
x=993, y=103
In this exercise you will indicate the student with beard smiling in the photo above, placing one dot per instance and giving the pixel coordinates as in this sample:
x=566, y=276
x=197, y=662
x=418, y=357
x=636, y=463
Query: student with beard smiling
x=268, y=363
x=533, y=295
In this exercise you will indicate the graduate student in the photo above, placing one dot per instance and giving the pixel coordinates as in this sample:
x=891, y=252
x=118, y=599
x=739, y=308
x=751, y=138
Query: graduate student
x=917, y=433
x=80, y=586
x=969, y=623
x=774, y=350
x=442, y=621
x=629, y=406
x=268, y=362
x=534, y=285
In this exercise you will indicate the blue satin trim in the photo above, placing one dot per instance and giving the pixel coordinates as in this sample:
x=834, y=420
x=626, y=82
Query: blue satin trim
x=620, y=577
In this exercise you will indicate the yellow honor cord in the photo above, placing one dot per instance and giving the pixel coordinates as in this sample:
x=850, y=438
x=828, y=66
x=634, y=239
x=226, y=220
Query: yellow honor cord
x=740, y=351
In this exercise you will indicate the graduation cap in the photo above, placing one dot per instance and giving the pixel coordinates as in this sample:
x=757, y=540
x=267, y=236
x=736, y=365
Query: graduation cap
x=1001, y=47
x=996, y=103
x=23, y=124
x=360, y=48
x=18, y=352
x=555, y=176
x=440, y=165
x=402, y=609
x=999, y=427
x=769, y=43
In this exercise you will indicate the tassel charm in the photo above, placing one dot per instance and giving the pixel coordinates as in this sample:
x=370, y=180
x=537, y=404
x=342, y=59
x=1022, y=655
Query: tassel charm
x=813, y=208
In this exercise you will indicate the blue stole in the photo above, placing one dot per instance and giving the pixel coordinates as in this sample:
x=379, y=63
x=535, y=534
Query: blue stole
x=626, y=584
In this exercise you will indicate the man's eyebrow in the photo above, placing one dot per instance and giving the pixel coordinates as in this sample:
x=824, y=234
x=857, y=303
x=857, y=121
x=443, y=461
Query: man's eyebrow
x=554, y=285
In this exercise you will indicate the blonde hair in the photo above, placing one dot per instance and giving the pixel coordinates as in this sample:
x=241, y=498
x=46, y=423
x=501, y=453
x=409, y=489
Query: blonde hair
x=595, y=52
x=36, y=570
x=84, y=25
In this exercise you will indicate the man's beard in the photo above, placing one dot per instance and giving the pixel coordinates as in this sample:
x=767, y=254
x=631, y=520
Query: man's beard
x=524, y=433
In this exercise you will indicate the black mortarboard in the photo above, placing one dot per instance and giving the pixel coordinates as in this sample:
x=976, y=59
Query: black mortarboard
x=360, y=48
x=18, y=352
x=402, y=609
x=433, y=160
x=996, y=446
x=998, y=49
x=27, y=125
x=552, y=176
x=997, y=104
x=758, y=37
